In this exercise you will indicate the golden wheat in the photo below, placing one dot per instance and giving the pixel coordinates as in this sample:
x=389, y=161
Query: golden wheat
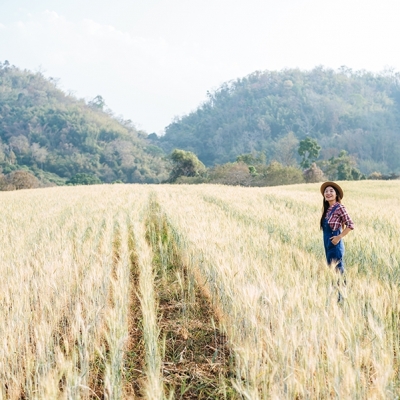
x=79, y=303
x=260, y=252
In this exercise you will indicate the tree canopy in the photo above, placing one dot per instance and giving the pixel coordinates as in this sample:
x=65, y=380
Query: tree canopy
x=309, y=151
x=185, y=163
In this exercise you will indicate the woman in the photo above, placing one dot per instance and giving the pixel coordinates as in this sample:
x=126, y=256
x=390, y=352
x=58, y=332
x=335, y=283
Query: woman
x=334, y=218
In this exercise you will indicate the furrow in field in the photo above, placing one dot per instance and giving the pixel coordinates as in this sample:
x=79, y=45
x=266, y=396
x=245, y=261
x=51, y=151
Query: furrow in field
x=195, y=353
x=141, y=361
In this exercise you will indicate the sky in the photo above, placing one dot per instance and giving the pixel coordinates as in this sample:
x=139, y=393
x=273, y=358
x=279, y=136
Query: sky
x=154, y=60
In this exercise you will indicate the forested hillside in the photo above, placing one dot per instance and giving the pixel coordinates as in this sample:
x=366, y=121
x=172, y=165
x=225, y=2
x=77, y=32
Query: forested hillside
x=267, y=111
x=56, y=136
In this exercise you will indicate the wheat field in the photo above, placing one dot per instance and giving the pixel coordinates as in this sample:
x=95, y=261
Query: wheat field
x=207, y=291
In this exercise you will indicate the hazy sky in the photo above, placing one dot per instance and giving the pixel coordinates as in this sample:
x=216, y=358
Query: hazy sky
x=153, y=60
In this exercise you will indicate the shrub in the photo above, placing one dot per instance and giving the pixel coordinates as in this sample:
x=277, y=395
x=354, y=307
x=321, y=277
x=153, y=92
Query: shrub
x=375, y=176
x=277, y=174
x=235, y=174
x=379, y=176
x=18, y=180
x=313, y=174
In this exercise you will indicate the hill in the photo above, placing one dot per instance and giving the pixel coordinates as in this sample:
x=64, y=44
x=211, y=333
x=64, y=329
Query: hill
x=356, y=111
x=197, y=292
x=57, y=136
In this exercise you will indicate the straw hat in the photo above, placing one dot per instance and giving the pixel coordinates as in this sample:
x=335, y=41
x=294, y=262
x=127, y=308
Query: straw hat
x=338, y=189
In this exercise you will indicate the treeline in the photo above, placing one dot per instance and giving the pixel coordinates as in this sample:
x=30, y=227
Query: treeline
x=252, y=169
x=57, y=137
x=271, y=112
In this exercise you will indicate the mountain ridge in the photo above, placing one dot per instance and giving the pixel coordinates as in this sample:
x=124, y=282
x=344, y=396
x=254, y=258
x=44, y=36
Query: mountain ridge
x=356, y=111
x=57, y=136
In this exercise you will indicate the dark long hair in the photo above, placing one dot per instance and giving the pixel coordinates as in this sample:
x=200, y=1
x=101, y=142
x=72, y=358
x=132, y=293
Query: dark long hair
x=325, y=206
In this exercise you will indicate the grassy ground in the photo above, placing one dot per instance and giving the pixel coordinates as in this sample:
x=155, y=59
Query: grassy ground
x=129, y=291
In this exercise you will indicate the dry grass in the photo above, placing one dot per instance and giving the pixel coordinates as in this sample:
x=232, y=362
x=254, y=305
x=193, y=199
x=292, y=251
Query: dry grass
x=96, y=301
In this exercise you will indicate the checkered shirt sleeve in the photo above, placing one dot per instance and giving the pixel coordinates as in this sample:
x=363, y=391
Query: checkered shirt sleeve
x=340, y=217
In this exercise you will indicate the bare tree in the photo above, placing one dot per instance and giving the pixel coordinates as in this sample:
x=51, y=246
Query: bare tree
x=18, y=180
x=313, y=174
x=19, y=143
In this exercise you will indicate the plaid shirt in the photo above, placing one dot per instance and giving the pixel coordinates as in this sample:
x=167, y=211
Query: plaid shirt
x=339, y=217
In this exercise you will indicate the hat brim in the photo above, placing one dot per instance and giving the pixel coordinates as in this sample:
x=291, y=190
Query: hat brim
x=334, y=185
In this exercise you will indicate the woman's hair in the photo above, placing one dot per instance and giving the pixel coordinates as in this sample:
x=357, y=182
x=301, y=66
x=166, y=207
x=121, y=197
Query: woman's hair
x=325, y=206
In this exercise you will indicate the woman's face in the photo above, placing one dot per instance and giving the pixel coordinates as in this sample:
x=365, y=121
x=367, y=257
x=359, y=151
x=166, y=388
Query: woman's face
x=329, y=194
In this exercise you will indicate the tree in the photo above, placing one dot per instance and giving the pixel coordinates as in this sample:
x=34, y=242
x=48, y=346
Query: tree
x=185, y=163
x=342, y=168
x=98, y=102
x=18, y=180
x=309, y=151
x=4, y=184
x=19, y=144
x=285, y=149
x=39, y=154
x=313, y=174
x=235, y=174
x=277, y=174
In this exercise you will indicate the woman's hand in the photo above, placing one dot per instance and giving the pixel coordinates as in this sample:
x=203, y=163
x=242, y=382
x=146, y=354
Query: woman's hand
x=335, y=239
